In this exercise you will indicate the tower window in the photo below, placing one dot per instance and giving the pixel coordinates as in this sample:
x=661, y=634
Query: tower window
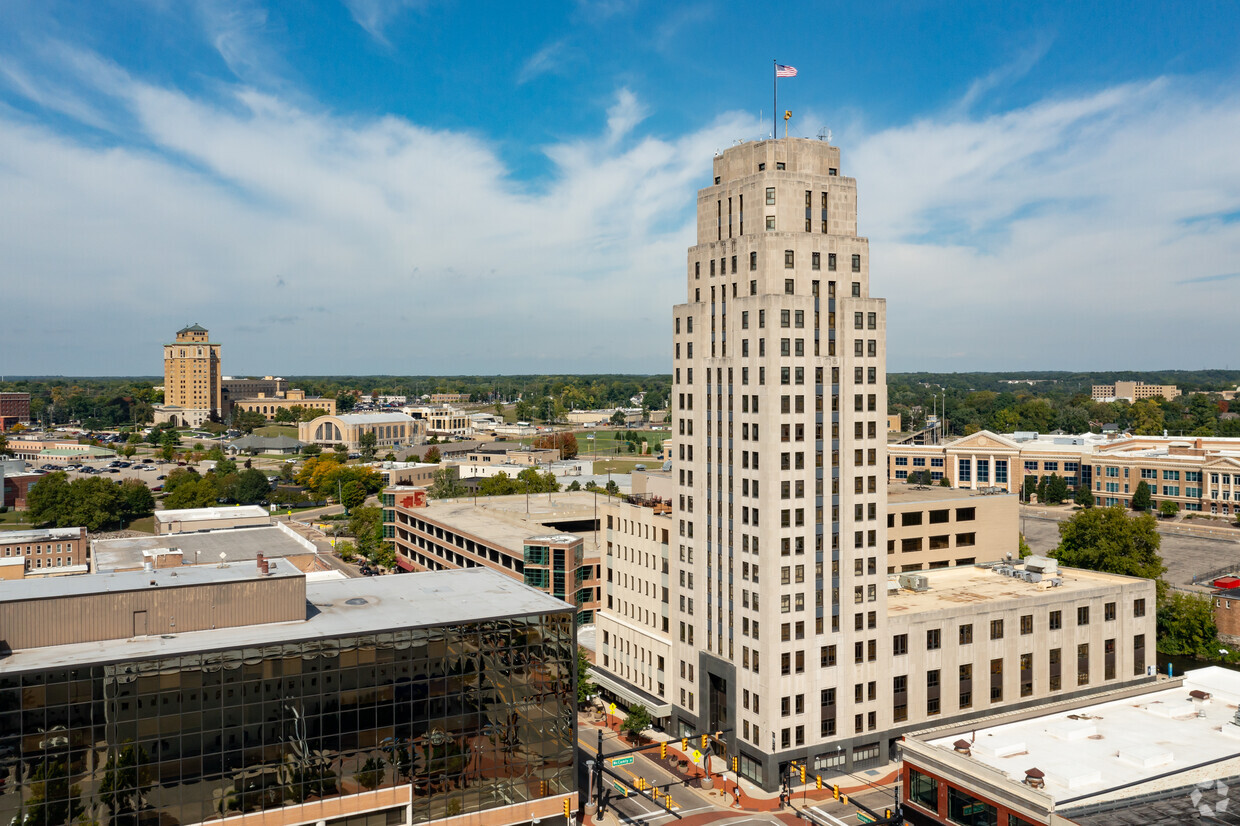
x=770, y=196
x=789, y=259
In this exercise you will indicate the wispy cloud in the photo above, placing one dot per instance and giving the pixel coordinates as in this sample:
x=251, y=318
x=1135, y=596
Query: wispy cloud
x=1009, y=72
x=1209, y=279
x=237, y=29
x=550, y=58
x=375, y=15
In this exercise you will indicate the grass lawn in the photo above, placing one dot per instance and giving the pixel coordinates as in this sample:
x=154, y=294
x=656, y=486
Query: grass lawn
x=145, y=524
x=277, y=430
x=15, y=520
x=605, y=442
x=624, y=465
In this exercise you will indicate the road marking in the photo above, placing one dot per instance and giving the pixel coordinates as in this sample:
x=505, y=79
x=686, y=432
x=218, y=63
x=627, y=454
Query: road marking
x=832, y=818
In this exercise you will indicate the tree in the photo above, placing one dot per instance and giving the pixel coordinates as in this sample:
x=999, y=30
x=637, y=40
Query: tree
x=446, y=485
x=286, y=414
x=367, y=444
x=1141, y=497
x=1108, y=539
x=345, y=401
x=1022, y=547
x=198, y=493
x=311, y=450
x=1084, y=497
x=574, y=486
x=637, y=721
x=342, y=451
x=1041, y=489
x=432, y=456
x=1031, y=487
x=617, y=418
x=5, y=450
x=247, y=420
x=136, y=498
x=1056, y=489
x=585, y=688
x=1186, y=626
x=352, y=495
x=251, y=486
x=523, y=410
x=564, y=441
x=1169, y=509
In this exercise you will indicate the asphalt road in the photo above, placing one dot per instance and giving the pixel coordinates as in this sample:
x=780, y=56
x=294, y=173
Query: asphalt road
x=635, y=808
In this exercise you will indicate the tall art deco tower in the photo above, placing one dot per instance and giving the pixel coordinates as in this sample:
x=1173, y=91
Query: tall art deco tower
x=779, y=400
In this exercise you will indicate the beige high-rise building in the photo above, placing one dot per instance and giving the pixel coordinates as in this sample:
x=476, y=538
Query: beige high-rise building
x=192, y=389
x=768, y=613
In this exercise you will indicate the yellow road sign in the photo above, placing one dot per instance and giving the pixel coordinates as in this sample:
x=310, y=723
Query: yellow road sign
x=696, y=755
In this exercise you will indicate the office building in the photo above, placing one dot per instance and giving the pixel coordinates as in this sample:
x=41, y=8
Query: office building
x=936, y=527
x=505, y=533
x=1156, y=754
x=14, y=409
x=192, y=375
x=270, y=386
x=47, y=550
x=1132, y=391
x=207, y=693
x=784, y=628
x=268, y=406
x=1201, y=474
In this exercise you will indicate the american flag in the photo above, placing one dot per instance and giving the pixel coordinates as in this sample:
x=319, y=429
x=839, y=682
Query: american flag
x=785, y=71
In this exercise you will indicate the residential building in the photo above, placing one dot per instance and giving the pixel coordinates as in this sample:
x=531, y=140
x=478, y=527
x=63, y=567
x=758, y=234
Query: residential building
x=1131, y=391
x=193, y=393
x=14, y=409
x=390, y=429
x=1199, y=474
x=189, y=520
x=48, y=550
x=1152, y=754
x=245, y=692
x=268, y=406
x=936, y=527
x=784, y=628
x=497, y=532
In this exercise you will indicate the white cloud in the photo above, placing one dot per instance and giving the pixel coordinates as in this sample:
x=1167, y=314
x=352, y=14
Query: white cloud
x=375, y=15
x=546, y=60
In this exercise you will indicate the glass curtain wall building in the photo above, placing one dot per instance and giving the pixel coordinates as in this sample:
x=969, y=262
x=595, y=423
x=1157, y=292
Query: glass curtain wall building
x=412, y=724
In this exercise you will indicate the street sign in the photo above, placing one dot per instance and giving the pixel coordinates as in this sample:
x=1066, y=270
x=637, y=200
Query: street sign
x=622, y=761
x=697, y=756
x=864, y=818
x=611, y=708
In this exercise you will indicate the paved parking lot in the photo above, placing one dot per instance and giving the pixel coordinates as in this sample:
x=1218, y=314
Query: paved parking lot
x=1184, y=556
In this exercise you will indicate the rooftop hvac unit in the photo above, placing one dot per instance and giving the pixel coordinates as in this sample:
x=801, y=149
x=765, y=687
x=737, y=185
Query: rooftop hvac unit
x=1005, y=570
x=914, y=582
x=1055, y=581
x=1042, y=564
x=1033, y=576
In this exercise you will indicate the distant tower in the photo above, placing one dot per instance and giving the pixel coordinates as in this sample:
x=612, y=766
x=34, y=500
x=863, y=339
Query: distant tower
x=192, y=387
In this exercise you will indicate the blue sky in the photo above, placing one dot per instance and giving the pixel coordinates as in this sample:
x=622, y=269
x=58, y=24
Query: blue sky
x=388, y=186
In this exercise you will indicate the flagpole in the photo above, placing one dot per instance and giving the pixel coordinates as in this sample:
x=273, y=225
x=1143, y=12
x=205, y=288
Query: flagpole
x=775, y=107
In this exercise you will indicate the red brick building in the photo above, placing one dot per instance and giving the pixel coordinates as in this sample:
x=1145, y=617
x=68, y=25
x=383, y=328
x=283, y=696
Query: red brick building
x=14, y=409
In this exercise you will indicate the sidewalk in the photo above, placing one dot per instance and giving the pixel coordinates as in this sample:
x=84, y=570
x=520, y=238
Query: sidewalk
x=752, y=798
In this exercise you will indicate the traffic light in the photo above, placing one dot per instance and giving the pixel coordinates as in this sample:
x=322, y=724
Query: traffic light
x=736, y=764
x=802, y=773
x=684, y=745
x=542, y=788
x=887, y=814
x=835, y=791
x=641, y=784
x=705, y=738
x=663, y=750
x=568, y=809
x=844, y=799
x=818, y=780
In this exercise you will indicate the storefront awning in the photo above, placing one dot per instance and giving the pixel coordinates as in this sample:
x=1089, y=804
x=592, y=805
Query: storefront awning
x=657, y=708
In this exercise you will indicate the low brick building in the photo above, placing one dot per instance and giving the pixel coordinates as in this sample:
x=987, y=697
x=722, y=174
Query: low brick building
x=14, y=409
x=51, y=548
x=1227, y=614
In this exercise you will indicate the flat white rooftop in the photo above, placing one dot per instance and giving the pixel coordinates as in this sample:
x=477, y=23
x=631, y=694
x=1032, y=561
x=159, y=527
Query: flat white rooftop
x=968, y=586
x=200, y=514
x=1153, y=739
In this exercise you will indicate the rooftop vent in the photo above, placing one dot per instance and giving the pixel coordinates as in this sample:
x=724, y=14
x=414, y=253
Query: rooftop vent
x=963, y=747
x=914, y=582
x=1035, y=778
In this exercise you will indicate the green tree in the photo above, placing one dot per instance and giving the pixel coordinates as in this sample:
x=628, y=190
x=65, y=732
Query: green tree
x=1023, y=547
x=5, y=450
x=1084, y=497
x=247, y=420
x=1147, y=418
x=195, y=493
x=367, y=444
x=1169, y=509
x=1108, y=539
x=128, y=451
x=637, y=721
x=342, y=451
x=1186, y=626
x=345, y=401
x=136, y=498
x=1031, y=487
x=1041, y=490
x=446, y=485
x=251, y=486
x=167, y=451
x=366, y=526
x=1056, y=489
x=617, y=418
x=1141, y=497
x=286, y=414
x=585, y=688
x=352, y=495
x=311, y=449
x=574, y=486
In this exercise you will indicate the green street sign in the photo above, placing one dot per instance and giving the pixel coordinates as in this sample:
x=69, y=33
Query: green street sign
x=864, y=818
x=621, y=761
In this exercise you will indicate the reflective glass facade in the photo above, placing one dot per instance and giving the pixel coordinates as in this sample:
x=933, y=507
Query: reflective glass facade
x=470, y=716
